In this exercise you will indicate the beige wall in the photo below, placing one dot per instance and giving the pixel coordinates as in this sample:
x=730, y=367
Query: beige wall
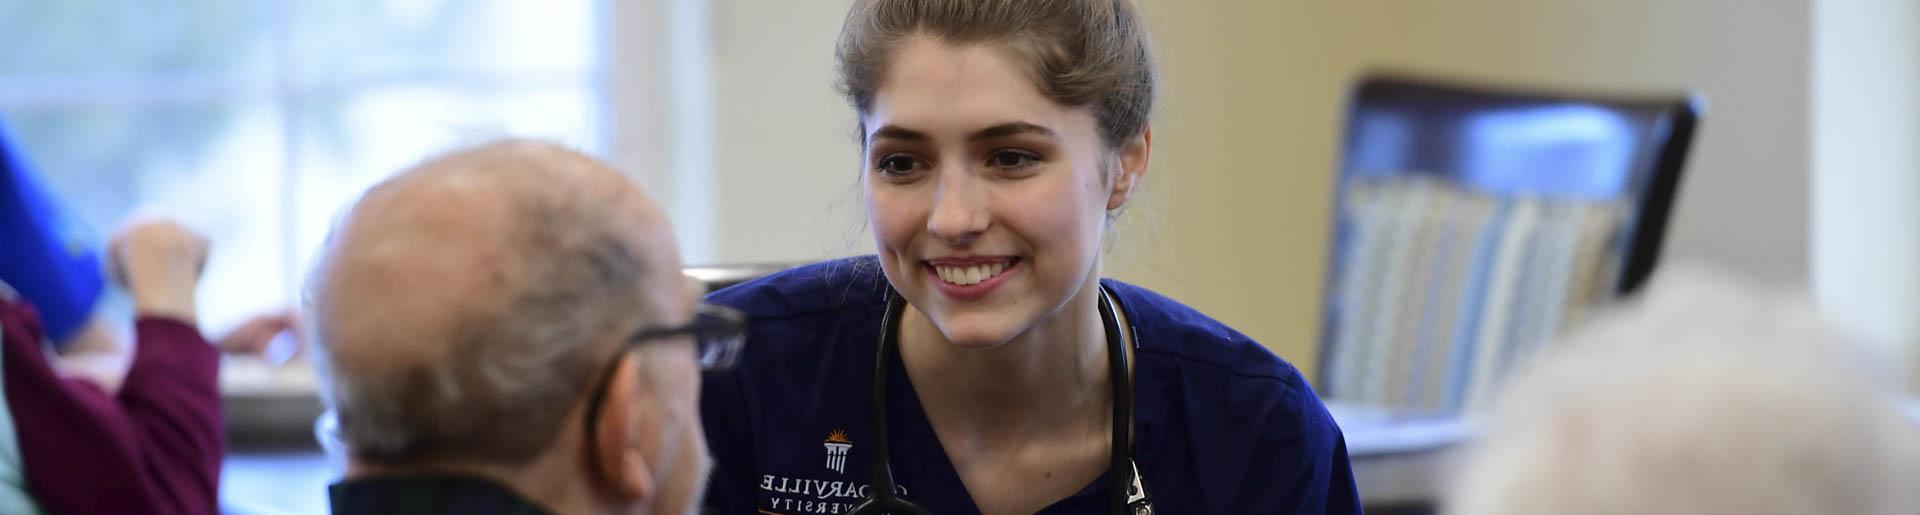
x=787, y=157
x=1236, y=219
x=1744, y=201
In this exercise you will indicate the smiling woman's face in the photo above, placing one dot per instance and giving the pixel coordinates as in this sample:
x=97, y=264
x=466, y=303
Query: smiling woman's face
x=987, y=199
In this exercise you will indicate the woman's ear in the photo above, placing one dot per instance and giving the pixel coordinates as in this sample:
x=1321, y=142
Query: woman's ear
x=1133, y=156
x=615, y=447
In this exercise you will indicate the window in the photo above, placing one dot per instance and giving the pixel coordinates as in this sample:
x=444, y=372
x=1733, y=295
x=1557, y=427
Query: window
x=258, y=121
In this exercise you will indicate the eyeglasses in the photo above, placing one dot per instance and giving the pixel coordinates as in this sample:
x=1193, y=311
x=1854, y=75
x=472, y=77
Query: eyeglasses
x=718, y=334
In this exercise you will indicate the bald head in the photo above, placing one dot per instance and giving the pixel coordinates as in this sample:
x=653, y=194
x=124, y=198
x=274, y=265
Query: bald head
x=484, y=284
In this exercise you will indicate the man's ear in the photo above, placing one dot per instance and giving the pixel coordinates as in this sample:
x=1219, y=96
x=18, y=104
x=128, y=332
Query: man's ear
x=615, y=449
x=1132, y=156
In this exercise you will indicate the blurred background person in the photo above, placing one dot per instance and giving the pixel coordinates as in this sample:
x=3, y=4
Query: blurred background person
x=1706, y=397
x=52, y=259
x=154, y=449
x=154, y=444
x=49, y=257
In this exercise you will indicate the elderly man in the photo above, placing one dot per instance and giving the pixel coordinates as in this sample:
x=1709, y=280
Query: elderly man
x=505, y=329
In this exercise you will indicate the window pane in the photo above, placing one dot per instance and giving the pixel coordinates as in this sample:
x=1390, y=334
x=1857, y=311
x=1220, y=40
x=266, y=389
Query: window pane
x=186, y=107
x=352, y=40
x=213, y=167
x=350, y=142
x=131, y=37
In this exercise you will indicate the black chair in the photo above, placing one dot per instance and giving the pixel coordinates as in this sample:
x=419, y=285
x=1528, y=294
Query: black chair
x=1498, y=141
x=1510, y=141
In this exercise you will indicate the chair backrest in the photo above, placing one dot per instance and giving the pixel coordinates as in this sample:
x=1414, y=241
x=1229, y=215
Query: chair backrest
x=1499, y=151
x=718, y=277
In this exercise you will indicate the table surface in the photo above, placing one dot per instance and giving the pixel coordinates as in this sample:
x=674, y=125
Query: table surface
x=289, y=482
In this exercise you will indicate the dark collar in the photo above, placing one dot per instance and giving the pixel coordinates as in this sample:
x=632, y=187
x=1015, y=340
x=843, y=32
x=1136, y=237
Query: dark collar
x=427, y=495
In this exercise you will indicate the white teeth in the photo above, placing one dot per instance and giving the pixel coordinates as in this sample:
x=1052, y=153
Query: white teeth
x=969, y=275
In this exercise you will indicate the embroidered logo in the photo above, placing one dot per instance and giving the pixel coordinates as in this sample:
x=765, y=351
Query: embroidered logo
x=837, y=446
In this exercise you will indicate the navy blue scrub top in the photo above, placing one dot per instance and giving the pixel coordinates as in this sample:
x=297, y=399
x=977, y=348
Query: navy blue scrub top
x=1221, y=424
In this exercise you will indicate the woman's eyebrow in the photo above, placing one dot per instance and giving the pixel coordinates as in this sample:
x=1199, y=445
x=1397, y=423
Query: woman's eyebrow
x=896, y=132
x=891, y=131
x=1010, y=129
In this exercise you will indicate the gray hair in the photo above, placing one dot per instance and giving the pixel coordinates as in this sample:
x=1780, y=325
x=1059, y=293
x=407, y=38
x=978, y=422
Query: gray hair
x=1706, y=397
x=513, y=370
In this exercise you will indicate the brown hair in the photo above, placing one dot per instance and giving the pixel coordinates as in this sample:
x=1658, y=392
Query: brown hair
x=1081, y=53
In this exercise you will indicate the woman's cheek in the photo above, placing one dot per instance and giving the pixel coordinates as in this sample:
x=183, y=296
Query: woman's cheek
x=891, y=219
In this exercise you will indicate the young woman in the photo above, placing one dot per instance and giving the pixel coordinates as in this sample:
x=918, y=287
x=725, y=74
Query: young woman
x=978, y=362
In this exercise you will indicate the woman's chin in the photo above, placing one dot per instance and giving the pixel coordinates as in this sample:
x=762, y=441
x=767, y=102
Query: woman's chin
x=976, y=339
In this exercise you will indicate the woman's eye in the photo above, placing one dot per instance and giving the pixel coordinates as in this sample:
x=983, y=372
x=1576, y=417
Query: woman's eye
x=1013, y=160
x=896, y=165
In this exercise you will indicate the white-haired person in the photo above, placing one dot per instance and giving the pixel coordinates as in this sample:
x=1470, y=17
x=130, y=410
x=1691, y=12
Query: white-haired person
x=1706, y=396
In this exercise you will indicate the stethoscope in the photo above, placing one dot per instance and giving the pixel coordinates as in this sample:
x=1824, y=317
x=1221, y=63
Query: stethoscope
x=1128, y=494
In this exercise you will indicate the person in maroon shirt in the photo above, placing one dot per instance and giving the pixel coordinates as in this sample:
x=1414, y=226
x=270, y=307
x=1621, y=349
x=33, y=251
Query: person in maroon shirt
x=154, y=443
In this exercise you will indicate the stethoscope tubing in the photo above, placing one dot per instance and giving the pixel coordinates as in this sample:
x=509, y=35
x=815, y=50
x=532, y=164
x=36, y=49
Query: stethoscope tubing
x=1120, y=471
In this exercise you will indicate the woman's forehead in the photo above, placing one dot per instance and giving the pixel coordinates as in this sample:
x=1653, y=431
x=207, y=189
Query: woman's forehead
x=934, y=87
